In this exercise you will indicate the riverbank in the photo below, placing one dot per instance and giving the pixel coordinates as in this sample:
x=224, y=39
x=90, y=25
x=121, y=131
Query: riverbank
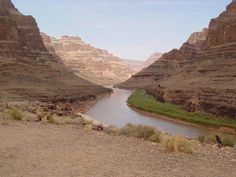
x=143, y=102
x=87, y=104
x=39, y=149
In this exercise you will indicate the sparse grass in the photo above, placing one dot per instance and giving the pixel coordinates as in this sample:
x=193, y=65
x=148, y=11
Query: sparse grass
x=111, y=130
x=201, y=138
x=156, y=137
x=15, y=114
x=176, y=144
x=141, y=131
x=72, y=117
x=226, y=139
x=50, y=119
x=141, y=100
x=41, y=115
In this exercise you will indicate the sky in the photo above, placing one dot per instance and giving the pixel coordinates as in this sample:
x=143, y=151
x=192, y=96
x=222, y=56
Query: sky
x=130, y=29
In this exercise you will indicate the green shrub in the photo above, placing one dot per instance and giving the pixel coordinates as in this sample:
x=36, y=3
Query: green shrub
x=15, y=114
x=176, y=144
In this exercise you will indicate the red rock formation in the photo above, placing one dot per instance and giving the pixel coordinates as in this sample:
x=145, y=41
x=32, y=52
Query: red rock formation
x=163, y=68
x=96, y=65
x=199, y=79
x=198, y=38
x=28, y=70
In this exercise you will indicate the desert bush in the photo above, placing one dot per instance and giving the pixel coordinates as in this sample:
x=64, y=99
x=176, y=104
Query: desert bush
x=201, y=138
x=88, y=127
x=141, y=131
x=156, y=137
x=111, y=129
x=210, y=138
x=41, y=115
x=15, y=114
x=50, y=119
x=72, y=117
x=228, y=141
x=176, y=144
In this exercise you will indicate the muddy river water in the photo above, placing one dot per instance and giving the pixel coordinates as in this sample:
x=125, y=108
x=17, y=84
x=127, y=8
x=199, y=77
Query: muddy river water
x=113, y=110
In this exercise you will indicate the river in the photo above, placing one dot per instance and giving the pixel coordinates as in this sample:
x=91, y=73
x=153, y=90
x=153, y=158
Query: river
x=113, y=110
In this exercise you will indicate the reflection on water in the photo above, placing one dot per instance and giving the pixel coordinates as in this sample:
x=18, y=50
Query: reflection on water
x=113, y=110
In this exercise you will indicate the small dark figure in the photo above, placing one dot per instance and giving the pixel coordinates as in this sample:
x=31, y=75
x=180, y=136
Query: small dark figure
x=218, y=141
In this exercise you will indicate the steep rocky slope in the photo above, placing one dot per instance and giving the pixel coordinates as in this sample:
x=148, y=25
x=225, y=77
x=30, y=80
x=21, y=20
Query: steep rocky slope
x=198, y=38
x=200, y=79
x=210, y=83
x=29, y=71
x=96, y=65
x=168, y=64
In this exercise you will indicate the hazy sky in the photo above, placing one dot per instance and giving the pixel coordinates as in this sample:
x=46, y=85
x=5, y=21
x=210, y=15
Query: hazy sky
x=132, y=29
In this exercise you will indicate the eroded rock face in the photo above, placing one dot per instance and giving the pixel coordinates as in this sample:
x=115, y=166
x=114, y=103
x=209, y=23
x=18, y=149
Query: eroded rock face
x=198, y=77
x=29, y=71
x=96, y=65
x=222, y=29
x=198, y=38
x=163, y=68
x=212, y=79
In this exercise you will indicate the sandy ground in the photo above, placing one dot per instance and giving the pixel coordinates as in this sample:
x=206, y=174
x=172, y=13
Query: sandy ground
x=42, y=150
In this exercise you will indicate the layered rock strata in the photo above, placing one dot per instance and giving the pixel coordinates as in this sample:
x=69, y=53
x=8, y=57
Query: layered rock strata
x=200, y=79
x=163, y=68
x=29, y=71
x=96, y=65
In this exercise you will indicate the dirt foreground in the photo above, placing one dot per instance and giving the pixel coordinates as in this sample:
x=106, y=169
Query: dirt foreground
x=30, y=149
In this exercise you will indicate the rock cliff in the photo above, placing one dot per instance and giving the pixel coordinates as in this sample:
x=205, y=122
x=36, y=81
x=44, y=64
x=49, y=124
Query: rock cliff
x=163, y=68
x=96, y=65
x=200, y=76
x=29, y=71
x=198, y=38
x=209, y=84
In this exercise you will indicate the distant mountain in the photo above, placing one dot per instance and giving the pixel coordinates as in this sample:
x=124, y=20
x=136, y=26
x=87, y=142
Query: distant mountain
x=94, y=64
x=28, y=70
x=201, y=75
x=154, y=57
x=136, y=65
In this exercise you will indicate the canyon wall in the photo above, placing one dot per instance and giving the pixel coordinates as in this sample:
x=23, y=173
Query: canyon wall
x=29, y=71
x=94, y=64
x=201, y=75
